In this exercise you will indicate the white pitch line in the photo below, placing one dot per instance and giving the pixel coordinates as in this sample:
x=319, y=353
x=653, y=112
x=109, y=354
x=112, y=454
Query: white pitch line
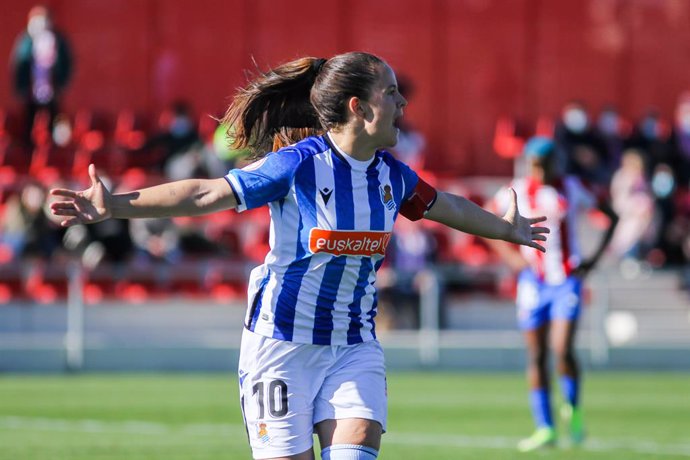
x=126, y=426
x=414, y=439
x=498, y=442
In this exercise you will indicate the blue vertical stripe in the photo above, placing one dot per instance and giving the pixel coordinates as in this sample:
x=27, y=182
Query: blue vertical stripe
x=354, y=330
x=328, y=292
x=292, y=279
x=344, y=202
x=377, y=218
x=333, y=272
x=377, y=221
x=378, y=264
x=284, y=318
x=375, y=302
x=372, y=313
x=256, y=307
x=306, y=203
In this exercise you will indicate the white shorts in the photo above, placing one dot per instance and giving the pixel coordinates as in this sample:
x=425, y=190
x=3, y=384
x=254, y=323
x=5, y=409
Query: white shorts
x=286, y=388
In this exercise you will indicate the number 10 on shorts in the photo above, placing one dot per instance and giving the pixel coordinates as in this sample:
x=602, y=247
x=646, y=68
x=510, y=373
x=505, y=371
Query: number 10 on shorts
x=275, y=394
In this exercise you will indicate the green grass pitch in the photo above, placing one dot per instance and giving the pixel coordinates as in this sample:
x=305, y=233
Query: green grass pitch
x=432, y=416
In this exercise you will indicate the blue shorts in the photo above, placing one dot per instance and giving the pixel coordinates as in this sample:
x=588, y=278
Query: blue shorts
x=539, y=303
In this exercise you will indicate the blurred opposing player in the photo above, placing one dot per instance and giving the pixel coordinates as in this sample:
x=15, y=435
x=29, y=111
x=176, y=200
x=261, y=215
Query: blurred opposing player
x=549, y=290
x=309, y=360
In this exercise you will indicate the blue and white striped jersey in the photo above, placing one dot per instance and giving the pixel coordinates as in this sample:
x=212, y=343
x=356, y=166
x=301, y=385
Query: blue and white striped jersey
x=331, y=220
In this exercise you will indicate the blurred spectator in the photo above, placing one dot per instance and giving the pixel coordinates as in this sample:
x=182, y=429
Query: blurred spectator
x=109, y=240
x=410, y=255
x=665, y=166
x=210, y=160
x=664, y=189
x=41, y=65
x=632, y=199
x=580, y=150
x=681, y=139
x=683, y=207
x=175, y=149
x=651, y=135
x=411, y=143
x=28, y=228
x=193, y=240
x=612, y=130
x=223, y=138
x=155, y=240
x=98, y=242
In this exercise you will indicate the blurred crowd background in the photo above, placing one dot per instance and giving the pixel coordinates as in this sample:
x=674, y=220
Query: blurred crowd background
x=136, y=86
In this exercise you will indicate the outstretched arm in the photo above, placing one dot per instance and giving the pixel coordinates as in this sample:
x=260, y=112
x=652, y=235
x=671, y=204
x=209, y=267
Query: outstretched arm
x=587, y=265
x=462, y=214
x=189, y=197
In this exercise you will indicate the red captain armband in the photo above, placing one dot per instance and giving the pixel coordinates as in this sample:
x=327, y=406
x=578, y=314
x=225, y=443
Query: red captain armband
x=422, y=199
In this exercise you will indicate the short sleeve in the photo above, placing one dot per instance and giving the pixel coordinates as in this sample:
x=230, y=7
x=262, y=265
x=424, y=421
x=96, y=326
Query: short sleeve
x=268, y=179
x=410, y=179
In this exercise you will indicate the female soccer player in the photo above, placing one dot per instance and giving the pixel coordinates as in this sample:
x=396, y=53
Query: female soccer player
x=549, y=291
x=310, y=361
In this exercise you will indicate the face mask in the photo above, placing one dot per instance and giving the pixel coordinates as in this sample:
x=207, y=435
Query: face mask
x=36, y=25
x=663, y=184
x=608, y=124
x=575, y=120
x=33, y=198
x=181, y=126
x=649, y=128
x=62, y=133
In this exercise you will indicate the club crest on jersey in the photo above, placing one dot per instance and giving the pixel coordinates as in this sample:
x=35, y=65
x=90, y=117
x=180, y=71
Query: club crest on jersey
x=387, y=197
x=262, y=433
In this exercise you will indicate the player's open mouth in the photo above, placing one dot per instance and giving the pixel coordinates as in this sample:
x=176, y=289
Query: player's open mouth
x=397, y=121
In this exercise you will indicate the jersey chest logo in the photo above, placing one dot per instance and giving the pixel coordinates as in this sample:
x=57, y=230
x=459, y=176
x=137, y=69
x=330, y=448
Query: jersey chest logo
x=348, y=242
x=386, y=194
x=326, y=194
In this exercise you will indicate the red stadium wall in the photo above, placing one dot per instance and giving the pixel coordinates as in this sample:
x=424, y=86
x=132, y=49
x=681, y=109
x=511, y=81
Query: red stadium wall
x=471, y=61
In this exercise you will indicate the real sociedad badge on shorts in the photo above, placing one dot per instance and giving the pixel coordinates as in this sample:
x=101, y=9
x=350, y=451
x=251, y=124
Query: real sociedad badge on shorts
x=387, y=197
x=262, y=433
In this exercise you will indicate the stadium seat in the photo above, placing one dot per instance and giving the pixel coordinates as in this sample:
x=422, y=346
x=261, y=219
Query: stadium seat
x=129, y=133
x=226, y=281
x=46, y=283
x=134, y=293
x=41, y=131
x=506, y=143
x=11, y=283
x=545, y=126
x=9, y=182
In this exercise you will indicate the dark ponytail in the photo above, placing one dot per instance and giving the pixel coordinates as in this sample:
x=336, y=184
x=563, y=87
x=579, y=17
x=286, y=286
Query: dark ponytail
x=298, y=99
x=274, y=105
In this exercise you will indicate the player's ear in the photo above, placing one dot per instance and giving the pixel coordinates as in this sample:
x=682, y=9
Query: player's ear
x=358, y=107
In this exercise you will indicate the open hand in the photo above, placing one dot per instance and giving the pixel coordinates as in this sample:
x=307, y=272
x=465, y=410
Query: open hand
x=86, y=207
x=523, y=230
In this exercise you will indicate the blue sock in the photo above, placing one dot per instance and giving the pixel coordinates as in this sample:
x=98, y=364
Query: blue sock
x=570, y=388
x=541, y=408
x=349, y=452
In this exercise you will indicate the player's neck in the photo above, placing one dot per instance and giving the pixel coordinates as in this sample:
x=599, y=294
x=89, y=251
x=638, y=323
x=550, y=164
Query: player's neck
x=353, y=146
